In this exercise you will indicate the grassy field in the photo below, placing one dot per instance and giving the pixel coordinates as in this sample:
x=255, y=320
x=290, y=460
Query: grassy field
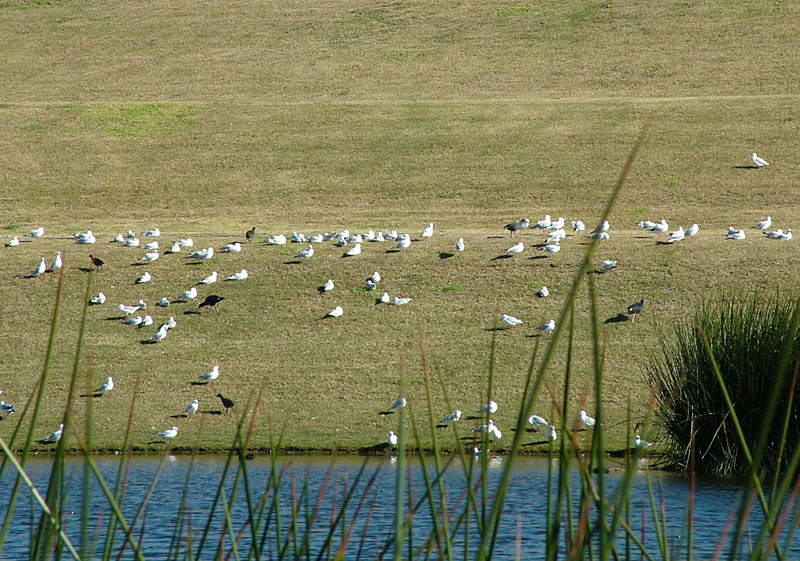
x=206, y=119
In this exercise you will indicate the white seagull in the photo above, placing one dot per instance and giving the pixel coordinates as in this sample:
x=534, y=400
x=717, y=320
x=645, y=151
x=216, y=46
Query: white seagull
x=146, y=322
x=489, y=408
x=537, y=421
x=660, y=227
x=376, y=277
x=150, y=246
x=37, y=233
x=276, y=239
x=547, y=326
x=168, y=434
x=543, y=292
x=241, y=275
x=551, y=433
x=608, y=265
x=57, y=263
x=210, y=279
x=543, y=224
x=735, y=235
x=552, y=248
x=764, y=224
x=328, y=286
x=85, y=237
x=153, y=233
x=399, y=403
x=235, y=247
x=400, y=301
x=106, y=387
x=128, y=310
x=307, y=253
x=384, y=299
x=517, y=248
x=787, y=235
x=556, y=224
x=370, y=285
x=176, y=248
x=144, y=278
x=186, y=242
x=191, y=409
x=391, y=439
x=453, y=417
x=490, y=428
x=210, y=376
x=131, y=242
x=190, y=294
x=757, y=161
x=164, y=302
x=428, y=231
x=677, y=236
x=460, y=244
x=159, y=335
x=639, y=443
x=602, y=227
x=578, y=226
x=14, y=242
x=510, y=321
x=54, y=436
x=335, y=313
x=171, y=324
x=202, y=254
x=692, y=230
x=135, y=320
x=353, y=251
x=403, y=242
x=40, y=268
x=98, y=298
x=298, y=238
x=150, y=257
x=586, y=420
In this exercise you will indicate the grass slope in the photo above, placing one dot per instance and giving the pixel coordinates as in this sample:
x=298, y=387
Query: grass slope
x=207, y=119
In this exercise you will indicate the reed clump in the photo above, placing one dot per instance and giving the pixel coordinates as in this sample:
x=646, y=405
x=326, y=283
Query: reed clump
x=745, y=345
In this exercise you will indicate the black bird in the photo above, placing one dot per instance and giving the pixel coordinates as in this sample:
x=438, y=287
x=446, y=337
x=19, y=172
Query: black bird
x=636, y=308
x=520, y=224
x=212, y=300
x=250, y=234
x=96, y=261
x=228, y=404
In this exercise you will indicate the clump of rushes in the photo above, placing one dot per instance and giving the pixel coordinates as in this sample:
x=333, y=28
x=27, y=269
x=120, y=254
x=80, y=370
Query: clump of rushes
x=746, y=346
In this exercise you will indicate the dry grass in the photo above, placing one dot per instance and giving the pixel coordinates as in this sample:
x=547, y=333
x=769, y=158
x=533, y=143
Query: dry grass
x=305, y=118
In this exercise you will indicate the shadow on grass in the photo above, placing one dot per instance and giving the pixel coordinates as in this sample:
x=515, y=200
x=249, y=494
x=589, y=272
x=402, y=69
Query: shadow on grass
x=445, y=255
x=192, y=313
x=619, y=318
x=745, y=167
x=504, y=256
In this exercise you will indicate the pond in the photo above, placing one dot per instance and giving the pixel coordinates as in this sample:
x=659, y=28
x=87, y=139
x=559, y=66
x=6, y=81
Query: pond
x=321, y=482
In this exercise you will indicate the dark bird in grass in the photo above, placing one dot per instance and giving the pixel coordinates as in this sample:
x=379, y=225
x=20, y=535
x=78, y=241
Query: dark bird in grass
x=250, y=234
x=212, y=300
x=636, y=308
x=517, y=226
x=228, y=404
x=96, y=261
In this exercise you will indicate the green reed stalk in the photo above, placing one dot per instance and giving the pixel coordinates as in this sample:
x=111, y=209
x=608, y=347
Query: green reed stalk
x=37, y=404
x=400, y=468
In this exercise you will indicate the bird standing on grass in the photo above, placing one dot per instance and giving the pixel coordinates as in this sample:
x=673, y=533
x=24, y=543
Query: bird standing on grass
x=212, y=300
x=14, y=242
x=307, y=253
x=40, y=268
x=57, y=263
x=586, y=420
x=757, y=161
x=543, y=292
x=209, y=377
x=399, y=403
x=168, y=434
x=158, y=335
x=490, y=408
x=636, y=309
x=96, y=261
x=391, y=439
x=191, y=409
x=764, y=224
x=54, y=436
x=428, y=231
x=547, y=327
x=460, y=244
x=190, y=294
x=106, y=387
x=510, y=321
x=537, y=421
x=518, y=248
x=228, y=404
x=515, y=227
x=327, y=287
x=250, y=234
x=335, y=313
x=144, y=278
x=37, y=233
x=453, y=417
x=210, y=279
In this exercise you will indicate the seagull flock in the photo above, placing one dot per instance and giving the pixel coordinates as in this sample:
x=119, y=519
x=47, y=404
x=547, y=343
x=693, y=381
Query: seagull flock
x=353, y=245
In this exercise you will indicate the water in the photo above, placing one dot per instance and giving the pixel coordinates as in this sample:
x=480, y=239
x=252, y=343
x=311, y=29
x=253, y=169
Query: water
x=522, y=529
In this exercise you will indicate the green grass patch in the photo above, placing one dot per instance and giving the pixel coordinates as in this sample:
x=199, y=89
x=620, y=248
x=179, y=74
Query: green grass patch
x=448, y=288
x=136, y=120
x=32, y=128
